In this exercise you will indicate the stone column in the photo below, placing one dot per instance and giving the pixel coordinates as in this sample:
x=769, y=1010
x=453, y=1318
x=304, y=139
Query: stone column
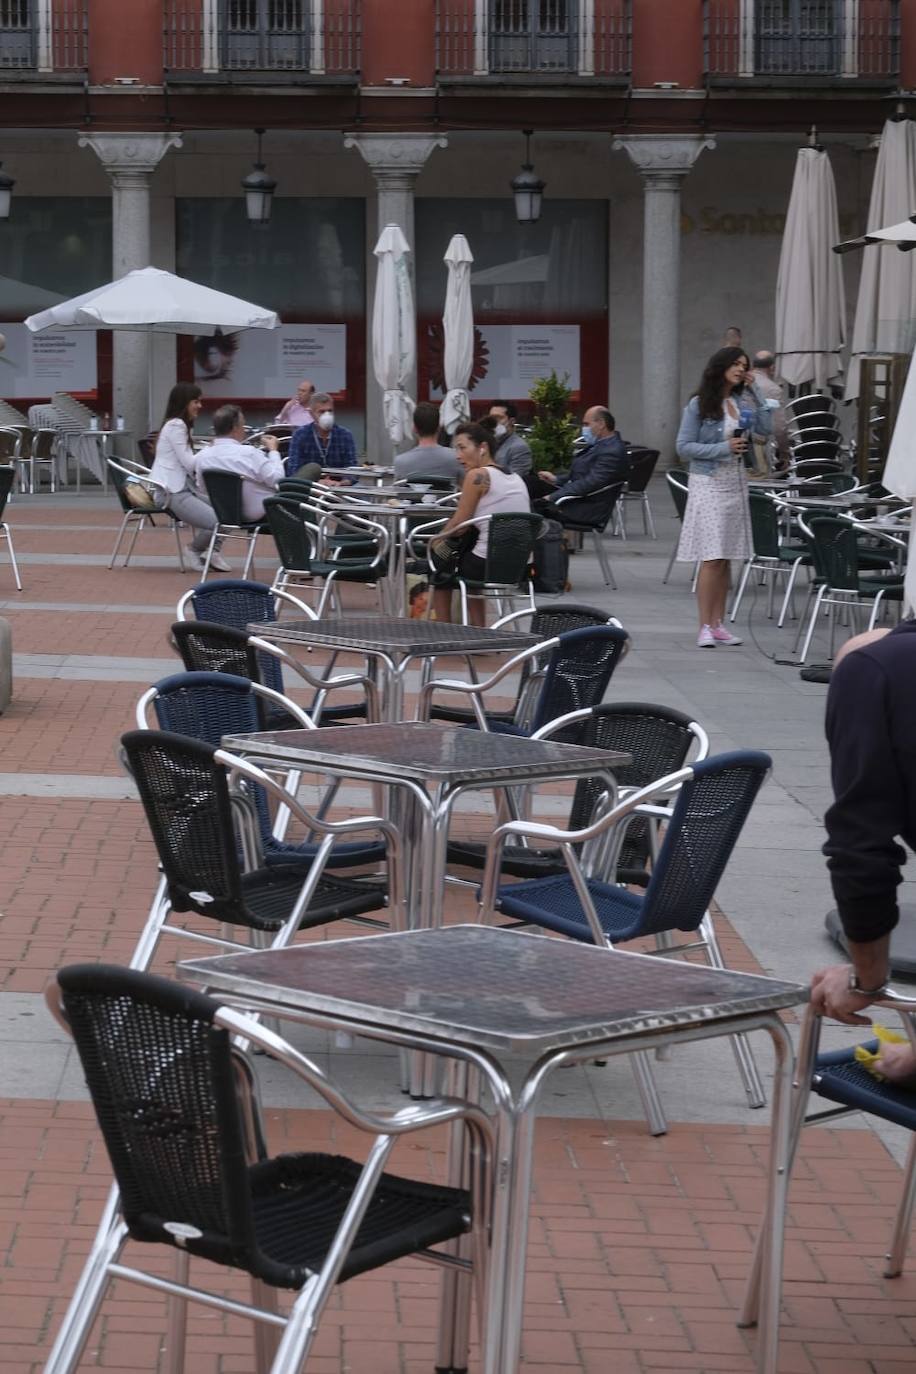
x=663, y=161
x=396, y=160
x=130, y=160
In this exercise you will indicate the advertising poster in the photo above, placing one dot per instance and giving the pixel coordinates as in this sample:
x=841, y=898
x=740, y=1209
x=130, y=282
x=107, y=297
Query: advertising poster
x=509, y=358
x=40, y=364
x=271, y=362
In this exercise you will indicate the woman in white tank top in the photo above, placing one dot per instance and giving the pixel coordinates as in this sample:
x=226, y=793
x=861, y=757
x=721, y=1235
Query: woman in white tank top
x=486, y=490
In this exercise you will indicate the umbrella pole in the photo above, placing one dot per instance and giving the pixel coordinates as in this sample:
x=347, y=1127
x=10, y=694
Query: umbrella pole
x=149, y=381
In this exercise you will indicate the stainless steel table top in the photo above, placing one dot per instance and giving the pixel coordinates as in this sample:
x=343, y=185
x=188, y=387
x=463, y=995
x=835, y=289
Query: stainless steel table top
x=393, y=634
x=494, y=990
x=425, y=752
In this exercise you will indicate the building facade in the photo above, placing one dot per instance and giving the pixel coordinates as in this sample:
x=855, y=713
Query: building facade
x=665, y=131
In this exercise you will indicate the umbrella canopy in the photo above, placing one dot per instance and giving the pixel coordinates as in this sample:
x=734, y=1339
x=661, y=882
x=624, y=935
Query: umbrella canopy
x=886, y=305
x=899, y=474
x=458, y=326
x=151, y=300
x=810, y=301
x=903, y=235
x=394, y=331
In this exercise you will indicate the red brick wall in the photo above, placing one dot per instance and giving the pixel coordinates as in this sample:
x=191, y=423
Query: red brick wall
x=126, y=40
x=667, y=42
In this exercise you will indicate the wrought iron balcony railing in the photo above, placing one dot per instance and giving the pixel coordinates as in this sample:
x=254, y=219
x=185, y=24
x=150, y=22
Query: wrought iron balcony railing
x=536, y=38
x=42, y=39
x=258, y=36
x=827, y=39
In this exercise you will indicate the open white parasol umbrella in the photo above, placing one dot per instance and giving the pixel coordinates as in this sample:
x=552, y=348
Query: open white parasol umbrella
x=458, y=327
x=886, y=305
x=810, y=300
x=151, y=301
x=394, y=331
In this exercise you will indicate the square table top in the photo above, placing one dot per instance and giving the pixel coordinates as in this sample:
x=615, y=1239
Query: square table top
x=393, y=634
x=492, y=989
x=426, y=752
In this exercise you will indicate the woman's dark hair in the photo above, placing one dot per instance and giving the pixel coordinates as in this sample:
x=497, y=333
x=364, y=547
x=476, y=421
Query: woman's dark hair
x=711, y=391
x=479, y=433
x=180, y=397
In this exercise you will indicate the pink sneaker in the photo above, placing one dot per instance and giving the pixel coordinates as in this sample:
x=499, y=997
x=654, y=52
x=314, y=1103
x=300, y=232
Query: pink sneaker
x=706, y=639
x=723, y=636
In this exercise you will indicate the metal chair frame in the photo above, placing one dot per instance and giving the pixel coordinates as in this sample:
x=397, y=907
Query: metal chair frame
x=125, y=470
x=44, y=449
x=770, y=565
x=7, y=479
x=641, y=472
x=503, y=594
x=850, y=599
x=282, y=1343
x=319, y=520
x=678, y=483
x=596, y=529
x=229, y=521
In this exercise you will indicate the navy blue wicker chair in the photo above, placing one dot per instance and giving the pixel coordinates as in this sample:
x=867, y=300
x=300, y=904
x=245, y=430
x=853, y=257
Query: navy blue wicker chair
x=184, y=789
x=713, y=802
x=176, y=1103
x=209, y=706
x=577, y=667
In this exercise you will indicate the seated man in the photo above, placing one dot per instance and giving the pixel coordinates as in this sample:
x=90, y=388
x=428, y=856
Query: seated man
x=324, y=442
x=428, y=455
x=296, y=411
x=261, y=468
x=513, y=454
x=604, y=461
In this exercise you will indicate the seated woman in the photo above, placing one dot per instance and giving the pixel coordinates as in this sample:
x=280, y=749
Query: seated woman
x=485, y=490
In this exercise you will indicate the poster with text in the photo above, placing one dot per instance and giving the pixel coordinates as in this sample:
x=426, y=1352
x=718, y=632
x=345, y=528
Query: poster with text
x=40, y=364
x=271, y=362
x=513, y=356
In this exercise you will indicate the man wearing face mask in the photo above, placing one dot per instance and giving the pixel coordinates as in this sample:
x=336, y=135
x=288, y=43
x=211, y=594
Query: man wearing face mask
x=513, y=454
x=604, y=461
x=324, y=442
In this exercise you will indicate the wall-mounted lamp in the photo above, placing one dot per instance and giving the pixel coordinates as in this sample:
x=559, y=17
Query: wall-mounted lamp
x=259, y=189
x=527, y=188
x=6, y=193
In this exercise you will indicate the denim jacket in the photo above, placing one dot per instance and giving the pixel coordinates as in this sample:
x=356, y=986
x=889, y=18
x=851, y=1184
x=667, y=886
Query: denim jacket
x=703, y=442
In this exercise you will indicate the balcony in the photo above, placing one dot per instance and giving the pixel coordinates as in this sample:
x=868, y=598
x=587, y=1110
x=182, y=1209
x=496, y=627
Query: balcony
x=247, y=39
x=825, y=42
x=43, y=40
x=532, y=39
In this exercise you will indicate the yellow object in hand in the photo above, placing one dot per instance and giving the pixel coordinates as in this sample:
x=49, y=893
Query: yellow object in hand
x=869, y=1058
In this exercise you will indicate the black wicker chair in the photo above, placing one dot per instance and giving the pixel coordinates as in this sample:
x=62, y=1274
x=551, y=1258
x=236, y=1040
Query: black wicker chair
x=176, y=1103
x=224, y=490
x=298, y=530
x=7, y=478
x=590, y=514
x=184, y=788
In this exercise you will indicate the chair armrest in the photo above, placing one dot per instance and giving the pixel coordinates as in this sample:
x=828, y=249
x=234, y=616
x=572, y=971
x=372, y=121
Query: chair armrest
x=321, y=684
x=586, y=495
x=424, y=530
x=475, y=688
x=306, y=610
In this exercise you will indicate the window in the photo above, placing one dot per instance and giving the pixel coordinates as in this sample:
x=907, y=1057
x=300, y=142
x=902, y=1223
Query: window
x=799, y=36
x=265, y=35
x=17, y=40
x=533, y=36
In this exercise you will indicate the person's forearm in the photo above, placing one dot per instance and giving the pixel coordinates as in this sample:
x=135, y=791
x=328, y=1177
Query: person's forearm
x=871, y=961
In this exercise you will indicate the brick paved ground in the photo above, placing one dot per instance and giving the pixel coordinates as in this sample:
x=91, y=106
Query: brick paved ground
x=638, y=1248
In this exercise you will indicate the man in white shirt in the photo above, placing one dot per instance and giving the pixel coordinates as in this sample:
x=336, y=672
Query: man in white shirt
x=261, y=468
x=296, y=411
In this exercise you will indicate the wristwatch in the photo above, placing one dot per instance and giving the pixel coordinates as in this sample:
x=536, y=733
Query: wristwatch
x=855, y=986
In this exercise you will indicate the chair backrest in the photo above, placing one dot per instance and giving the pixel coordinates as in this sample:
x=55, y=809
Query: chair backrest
x=836, y=551
x=708, y=817
x=822, y=453
x=677, y=485
x=578, y=672
x=291, y=533
x=807, y=405
x=224, y=490
x=813, y=434
x=594, y=510
x=185, y=797
x=7, y=478
x=44, y=443
x=831, y=484
x=232, y=601
x=433, y=481
x=509, y=545
x=10, y=444
x=164, y=1089
x=764, y=526
x=208, y=648
x=642, y=466
x=658, y=738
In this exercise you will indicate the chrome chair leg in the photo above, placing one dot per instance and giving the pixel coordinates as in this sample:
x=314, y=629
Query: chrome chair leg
x=117, y=546
x=9, y=539
x=895, y=1255
x=177, y=1320
x=648, y=1092
x=609, y=579
x=744, y=1055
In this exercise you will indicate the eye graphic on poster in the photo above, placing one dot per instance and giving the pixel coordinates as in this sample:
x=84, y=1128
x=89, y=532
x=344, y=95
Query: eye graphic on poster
x=271, y=362
x=213, y=355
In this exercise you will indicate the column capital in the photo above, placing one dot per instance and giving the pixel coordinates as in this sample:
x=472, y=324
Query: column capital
x=663, y=159
x=395, y=157
x=130, y=158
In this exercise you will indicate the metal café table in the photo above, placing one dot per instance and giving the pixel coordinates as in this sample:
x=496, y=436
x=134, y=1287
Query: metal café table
x=391, y=644
x=426, y=766
x=484, y=996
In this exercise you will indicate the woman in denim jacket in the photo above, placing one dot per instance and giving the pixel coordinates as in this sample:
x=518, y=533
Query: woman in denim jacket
x=717, y=521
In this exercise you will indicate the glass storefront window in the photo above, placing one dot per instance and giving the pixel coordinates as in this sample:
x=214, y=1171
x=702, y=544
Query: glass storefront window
x=52, y=248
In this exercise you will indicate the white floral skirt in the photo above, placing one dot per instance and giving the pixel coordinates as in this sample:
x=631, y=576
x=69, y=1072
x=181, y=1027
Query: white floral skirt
x=717, y=521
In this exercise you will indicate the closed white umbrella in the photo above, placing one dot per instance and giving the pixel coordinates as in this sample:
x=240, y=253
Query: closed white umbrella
x=899, y=474
x=458, y=327
x=394, y=331
x=151, y=301
x=886, y=305
x=810, y=301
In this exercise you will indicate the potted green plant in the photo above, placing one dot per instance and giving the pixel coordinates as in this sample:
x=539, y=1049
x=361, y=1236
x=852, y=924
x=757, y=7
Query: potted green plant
x=554, y=429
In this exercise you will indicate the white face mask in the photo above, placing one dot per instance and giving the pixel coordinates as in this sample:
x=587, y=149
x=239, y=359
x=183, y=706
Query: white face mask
x=326, y=420
x=500, y=431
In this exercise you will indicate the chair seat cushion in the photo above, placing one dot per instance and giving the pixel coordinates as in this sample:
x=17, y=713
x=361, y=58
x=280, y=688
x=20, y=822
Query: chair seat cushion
x=351, y=854
x=553, y=904
x=270, y=894
x=298, y=1201
x=350, y=570
x=839, y=1078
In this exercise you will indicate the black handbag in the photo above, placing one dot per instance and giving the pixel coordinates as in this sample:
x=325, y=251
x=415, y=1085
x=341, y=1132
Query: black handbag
x=446, y=554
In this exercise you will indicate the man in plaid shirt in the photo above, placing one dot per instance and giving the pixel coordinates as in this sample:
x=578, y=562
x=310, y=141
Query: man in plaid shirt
x=323, y=442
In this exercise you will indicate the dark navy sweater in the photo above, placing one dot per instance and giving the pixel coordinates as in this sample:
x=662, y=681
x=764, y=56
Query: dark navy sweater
x=871, y=730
